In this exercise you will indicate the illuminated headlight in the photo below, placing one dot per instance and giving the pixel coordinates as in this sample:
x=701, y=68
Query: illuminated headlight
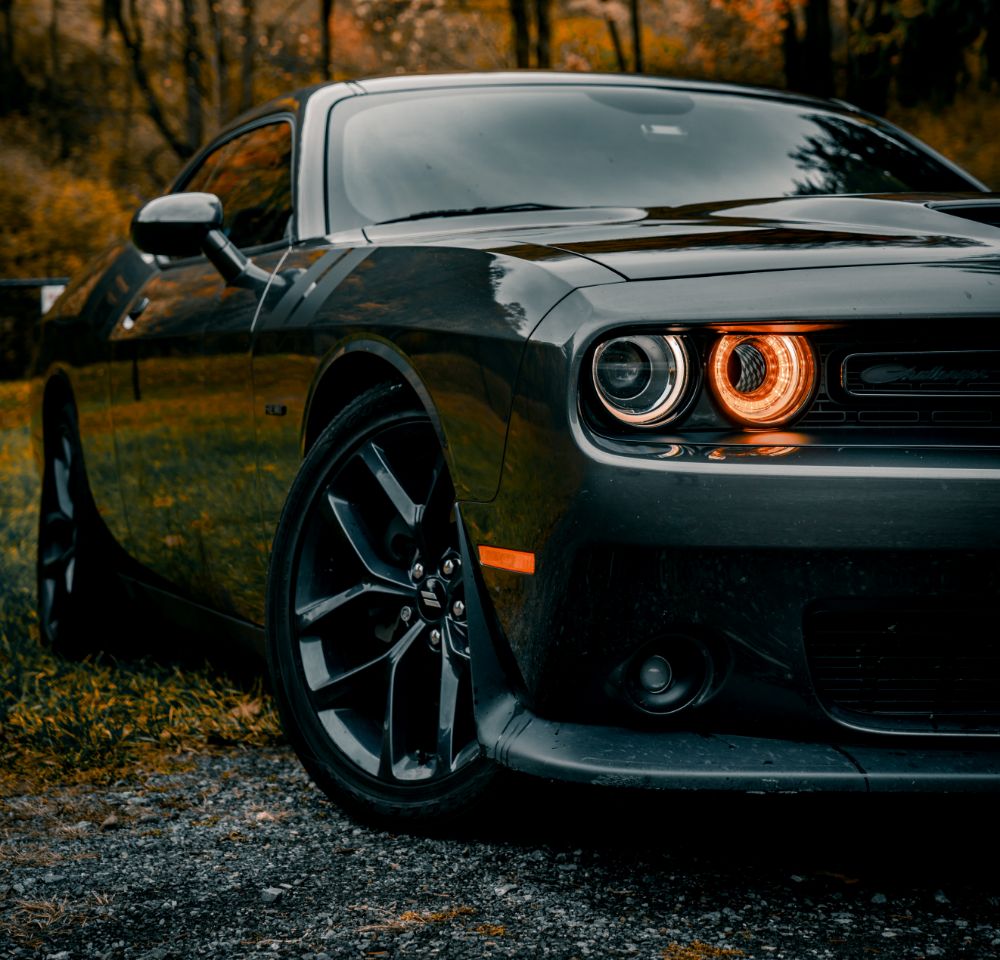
x=762, y=380
x=641, y=380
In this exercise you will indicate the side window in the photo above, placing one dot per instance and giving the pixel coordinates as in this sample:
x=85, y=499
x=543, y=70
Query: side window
x=252, y=176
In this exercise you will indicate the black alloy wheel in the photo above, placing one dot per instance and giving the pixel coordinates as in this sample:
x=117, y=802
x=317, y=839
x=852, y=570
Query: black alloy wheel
x=368, y=644
x=71, y=561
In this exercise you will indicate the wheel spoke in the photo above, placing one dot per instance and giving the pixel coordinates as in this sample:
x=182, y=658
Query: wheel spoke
x=49, y=602
x=328, y=691
x=311, y=616
x=373, y=457
x=335, y=690
x=55, y=558
x=452, y=672
x=61, y=471
x=435, y=514
x=440, y=493
x=345, y=515
x=394, y=718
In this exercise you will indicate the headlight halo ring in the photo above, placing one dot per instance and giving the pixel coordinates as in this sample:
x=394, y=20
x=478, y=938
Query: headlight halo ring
x=777, y=377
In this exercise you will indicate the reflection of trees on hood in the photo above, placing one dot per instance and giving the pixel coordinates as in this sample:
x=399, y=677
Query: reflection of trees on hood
x=844, y=157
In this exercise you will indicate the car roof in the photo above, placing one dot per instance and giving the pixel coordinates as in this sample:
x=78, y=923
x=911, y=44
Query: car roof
x=524, y=78
x=520, y=78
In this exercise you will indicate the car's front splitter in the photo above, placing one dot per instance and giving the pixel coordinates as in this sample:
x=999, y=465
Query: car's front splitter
x=680, y=760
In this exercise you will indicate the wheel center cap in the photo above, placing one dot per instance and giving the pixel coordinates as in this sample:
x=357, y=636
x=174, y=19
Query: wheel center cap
x=433, y=600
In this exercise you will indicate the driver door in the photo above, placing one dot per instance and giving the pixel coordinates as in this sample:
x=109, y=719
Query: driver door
x=181, y=391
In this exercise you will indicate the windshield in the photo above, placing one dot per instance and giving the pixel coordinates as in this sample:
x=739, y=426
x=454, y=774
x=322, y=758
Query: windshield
x=397, y=156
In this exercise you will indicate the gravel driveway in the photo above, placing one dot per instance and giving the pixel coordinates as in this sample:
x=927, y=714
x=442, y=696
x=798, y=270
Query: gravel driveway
x=237, y=855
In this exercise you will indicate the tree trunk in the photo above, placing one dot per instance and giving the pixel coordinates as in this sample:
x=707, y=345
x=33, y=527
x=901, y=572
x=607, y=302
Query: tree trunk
x=869, y=73
x=132, y=39
x=521, y=33
x=127, y=128
x=192, y=73
x=326, y=38
x=818, y=49
x=55, y=120
x=990, y=51
x=246, y=60
x=55, y=60
x=616, y=43
x=791, y=48
x=637, y=37
x=7, y=68
x=543, y=34
x=221, y=60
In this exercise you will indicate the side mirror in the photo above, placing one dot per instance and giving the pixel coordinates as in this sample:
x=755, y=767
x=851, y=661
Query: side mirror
x=176, y=225
x=189, y=224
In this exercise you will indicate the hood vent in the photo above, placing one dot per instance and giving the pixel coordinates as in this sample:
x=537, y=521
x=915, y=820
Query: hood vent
x=981, y=211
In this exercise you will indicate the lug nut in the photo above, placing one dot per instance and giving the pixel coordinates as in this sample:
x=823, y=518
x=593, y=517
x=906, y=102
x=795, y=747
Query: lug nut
x=435, y=638
x=448, y=567
x=405, y=614
x=417, y=572
x=458, y=608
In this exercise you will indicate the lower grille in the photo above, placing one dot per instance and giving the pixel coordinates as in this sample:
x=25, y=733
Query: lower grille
x=918, y=668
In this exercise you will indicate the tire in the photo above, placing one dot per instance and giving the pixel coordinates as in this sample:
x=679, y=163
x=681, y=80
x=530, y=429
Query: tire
x=367, y=645
x=73, y=558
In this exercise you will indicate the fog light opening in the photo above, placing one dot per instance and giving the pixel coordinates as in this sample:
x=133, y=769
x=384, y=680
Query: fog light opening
x=668, y=674
x=655, y=674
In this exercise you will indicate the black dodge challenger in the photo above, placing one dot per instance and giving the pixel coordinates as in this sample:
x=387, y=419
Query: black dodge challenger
x=610, y=429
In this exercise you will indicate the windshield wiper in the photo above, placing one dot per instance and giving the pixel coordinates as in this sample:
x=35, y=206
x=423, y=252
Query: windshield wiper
x=473, y=211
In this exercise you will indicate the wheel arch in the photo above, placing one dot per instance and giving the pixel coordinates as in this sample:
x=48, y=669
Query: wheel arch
x=57, y=389
x=348, y=371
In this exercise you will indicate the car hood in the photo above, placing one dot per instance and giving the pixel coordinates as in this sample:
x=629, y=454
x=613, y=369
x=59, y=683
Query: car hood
x=739, y=236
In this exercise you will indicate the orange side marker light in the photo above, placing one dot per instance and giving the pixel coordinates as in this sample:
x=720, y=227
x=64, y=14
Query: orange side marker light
x=519, y=561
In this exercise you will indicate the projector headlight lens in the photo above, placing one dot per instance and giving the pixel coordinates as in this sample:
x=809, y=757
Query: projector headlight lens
x=641, y=380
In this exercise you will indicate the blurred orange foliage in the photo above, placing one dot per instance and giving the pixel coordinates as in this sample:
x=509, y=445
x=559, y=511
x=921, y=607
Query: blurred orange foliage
x=52, y=220
x=80, y=147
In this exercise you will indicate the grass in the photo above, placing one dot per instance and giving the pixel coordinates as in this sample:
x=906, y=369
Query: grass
x=92, y=720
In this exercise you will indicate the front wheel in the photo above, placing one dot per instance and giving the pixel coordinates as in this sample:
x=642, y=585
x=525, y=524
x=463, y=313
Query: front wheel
x=368, y=645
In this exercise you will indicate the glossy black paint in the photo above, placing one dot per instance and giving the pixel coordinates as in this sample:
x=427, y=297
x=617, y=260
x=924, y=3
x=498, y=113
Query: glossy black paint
x=178, y=370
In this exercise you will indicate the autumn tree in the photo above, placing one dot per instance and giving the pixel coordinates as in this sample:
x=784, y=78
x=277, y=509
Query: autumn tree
x=7, y=68
x=531, y=33
x=326, y=39
x=934, y=47
x=247, y=47
x=636, y=18
x=807, y=45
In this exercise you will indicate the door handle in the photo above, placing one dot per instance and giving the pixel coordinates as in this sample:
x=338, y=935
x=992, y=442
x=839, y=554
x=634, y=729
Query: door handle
x=129, y=322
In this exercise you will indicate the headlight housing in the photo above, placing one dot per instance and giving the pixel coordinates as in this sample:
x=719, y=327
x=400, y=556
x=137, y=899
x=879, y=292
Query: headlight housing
x=762, y=380
x=642, y=379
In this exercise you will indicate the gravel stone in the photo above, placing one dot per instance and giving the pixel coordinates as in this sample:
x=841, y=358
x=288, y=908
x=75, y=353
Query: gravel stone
x=237, y=855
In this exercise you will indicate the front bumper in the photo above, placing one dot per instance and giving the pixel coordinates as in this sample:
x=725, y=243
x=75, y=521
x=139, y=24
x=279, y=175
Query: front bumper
x=736, y=540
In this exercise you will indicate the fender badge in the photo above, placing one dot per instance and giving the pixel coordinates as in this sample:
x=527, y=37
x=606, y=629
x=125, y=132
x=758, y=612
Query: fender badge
x=275, y=409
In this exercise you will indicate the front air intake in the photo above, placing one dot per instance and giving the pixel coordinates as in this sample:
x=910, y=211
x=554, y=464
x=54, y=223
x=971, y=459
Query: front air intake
x=920, y=666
